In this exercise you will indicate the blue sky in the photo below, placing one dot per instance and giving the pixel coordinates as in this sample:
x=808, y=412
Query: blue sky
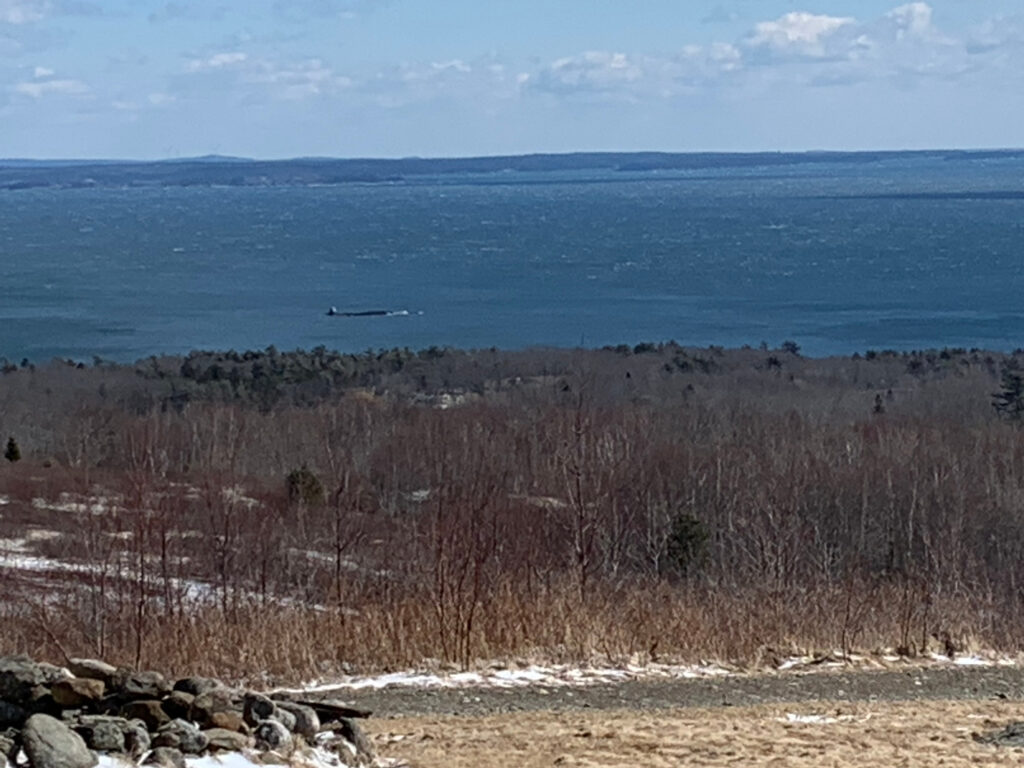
x=388, y=78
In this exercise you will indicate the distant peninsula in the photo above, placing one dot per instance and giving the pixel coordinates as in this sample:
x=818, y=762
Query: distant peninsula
x=218, y=170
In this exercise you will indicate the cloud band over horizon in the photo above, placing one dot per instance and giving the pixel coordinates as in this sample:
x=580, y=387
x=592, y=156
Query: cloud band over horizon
x=353, y=77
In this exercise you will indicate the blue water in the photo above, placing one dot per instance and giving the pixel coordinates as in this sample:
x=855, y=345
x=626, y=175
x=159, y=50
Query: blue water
x=839, y=258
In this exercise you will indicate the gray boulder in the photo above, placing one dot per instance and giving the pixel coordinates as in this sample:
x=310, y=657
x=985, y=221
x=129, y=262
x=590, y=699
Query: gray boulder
x=307, y=724
x=256, y=708
x=92, y=669
x=222, y=740
x=140, y=685
x=136, y=739
x=197, y=686
x=11, y=714
x=165, y=757
x=287, y=719
x=332, y=710
x=150, y=712
x=179, y=705
x=206, y=704
x=103, y=734
x=272, y=736
x=77, y=692
x=350, y=731
x=1010, y=736
x=52, y=673
x=49, y=743
x=21, y=679
x=229, y=721
x=181, y=735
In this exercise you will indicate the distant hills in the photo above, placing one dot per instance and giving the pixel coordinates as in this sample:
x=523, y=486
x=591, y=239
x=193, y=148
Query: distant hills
x=219, y=170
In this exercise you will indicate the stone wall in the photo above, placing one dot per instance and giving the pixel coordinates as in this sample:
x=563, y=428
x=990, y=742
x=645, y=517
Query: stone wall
x=63, y=717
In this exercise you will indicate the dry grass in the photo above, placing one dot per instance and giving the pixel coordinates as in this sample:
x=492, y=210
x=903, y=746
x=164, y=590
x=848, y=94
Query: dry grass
x=907, y=734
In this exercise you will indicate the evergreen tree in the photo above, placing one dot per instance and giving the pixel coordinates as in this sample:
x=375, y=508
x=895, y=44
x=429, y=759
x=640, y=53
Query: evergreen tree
x=304, y=487
x=13, y=452
x=1009, y=401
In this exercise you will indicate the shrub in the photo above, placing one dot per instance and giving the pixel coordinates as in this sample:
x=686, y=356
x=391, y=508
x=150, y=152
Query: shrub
x=304, y=487
x=686, y=544
x=13, y=452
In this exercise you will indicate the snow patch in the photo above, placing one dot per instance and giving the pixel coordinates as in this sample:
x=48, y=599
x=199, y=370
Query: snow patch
x=970, y=661
x=312, y=758
x=560, y=676
x=808, y=719
x=66, y=503
x=792, y=717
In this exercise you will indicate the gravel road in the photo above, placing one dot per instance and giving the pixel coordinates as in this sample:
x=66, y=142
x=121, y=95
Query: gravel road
x=909, y=684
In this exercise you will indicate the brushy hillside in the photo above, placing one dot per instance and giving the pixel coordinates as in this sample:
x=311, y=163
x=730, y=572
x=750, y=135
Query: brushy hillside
x=307, y=513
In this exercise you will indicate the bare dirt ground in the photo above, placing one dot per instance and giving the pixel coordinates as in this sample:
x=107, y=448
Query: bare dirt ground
x=912, y=717
x=883, y=734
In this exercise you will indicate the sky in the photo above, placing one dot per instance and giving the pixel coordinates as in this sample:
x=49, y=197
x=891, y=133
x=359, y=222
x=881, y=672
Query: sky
x=150, y=79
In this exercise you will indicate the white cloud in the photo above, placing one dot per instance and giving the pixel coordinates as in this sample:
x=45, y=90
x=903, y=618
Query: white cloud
x=297, y=80
x=482, y=82
x=592, y=71
x=799, y=33
x=1005, y=32
x=913, y=19
x=217, y=61
x=36, y=89
x=180, y=10
x=41, y=72
x=798, y=48
x=626, y=76
x=19, y=12
x=160, y=99
x=249, y=77
x=23, y=11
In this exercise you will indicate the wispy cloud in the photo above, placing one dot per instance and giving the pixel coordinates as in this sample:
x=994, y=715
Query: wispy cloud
x=19, y=12
x=620, y=75
x=23, y=11
x=37, y=89
x=187, y=10
x=720, y=15
x=481, y=81
x=255, y=76
x=304, y=10
x=223, y=60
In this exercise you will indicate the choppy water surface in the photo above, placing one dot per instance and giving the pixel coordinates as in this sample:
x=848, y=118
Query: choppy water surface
x=898, y=254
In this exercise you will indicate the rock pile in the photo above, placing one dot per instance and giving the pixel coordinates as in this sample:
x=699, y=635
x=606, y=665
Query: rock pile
x=58, y=717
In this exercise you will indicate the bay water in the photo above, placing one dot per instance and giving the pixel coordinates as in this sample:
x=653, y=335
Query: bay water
x=903, y=253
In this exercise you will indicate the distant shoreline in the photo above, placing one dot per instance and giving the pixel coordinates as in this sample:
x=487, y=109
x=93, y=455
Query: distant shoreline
x=788, y=348
x=20, y=174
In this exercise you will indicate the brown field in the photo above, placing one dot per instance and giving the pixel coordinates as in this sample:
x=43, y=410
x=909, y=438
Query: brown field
x=869, y=734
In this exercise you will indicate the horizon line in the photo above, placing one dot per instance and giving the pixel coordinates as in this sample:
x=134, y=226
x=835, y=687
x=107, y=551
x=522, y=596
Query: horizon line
x=570, y=153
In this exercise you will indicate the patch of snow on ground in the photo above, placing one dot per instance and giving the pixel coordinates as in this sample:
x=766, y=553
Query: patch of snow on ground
x=237, y=495
x=559, y=676
x=969, y=661
x=95, y=505
x=808, y=719
x=313, y=758
x=835, y=660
